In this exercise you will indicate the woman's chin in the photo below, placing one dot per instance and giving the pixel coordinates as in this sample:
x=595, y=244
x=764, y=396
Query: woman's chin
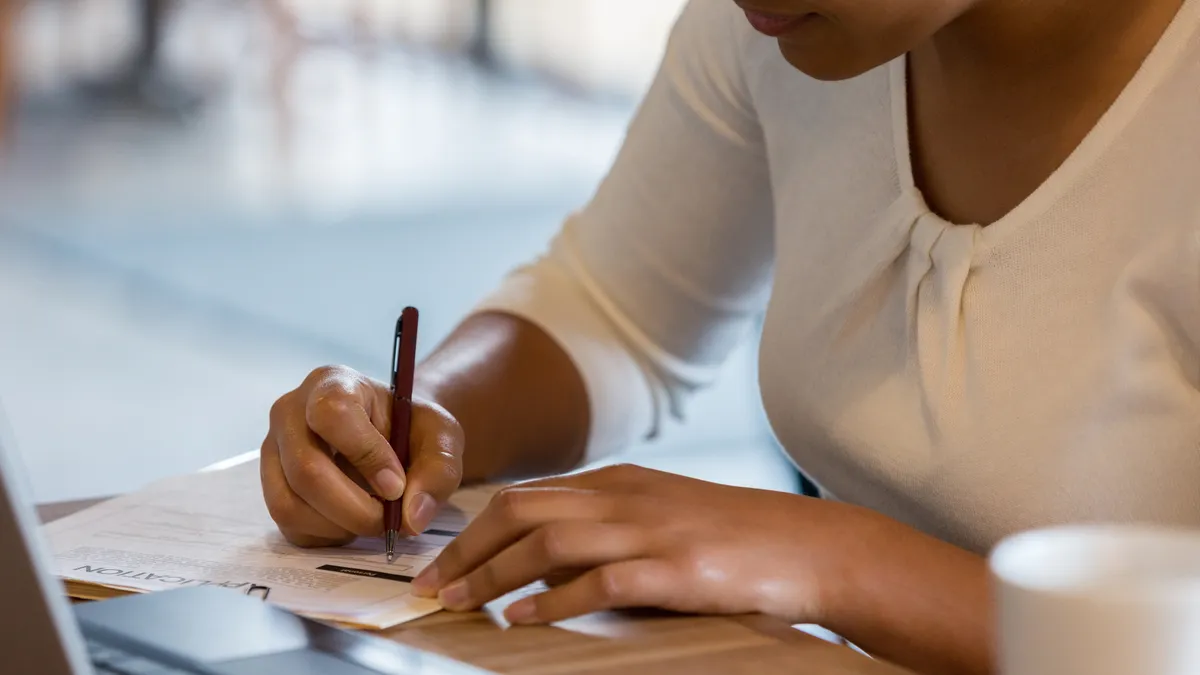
x=829, y=65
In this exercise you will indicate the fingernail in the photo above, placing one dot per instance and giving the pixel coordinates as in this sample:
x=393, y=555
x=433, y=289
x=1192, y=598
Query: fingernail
x=454, y=596
x=390, y=484
x=521, y=611
x=426, y=583
x=423, y=508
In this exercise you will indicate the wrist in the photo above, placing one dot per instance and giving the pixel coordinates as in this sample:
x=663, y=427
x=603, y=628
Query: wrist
x=849, y=547
x=903, y=595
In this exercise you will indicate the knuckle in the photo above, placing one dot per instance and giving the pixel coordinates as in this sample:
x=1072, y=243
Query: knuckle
x=442, y=449
x=689, y=556
x=305, y=477
x=450, y=428
x=431, y=413
x=268, y=445
x=366, y=457
x=612, y=585
x=456, y=433
x=554, y=543
x=447, y=471
x=281, y=408
x=625, y=473
x=323, y=374
x=510, y=505
x=283, y=512
x=326, y=409
x=691, y=562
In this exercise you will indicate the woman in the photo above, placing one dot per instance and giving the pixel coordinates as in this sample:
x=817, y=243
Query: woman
x=972, y=226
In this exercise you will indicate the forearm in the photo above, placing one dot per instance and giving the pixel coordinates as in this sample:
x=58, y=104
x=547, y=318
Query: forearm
x=911, y=599
x=518, y=396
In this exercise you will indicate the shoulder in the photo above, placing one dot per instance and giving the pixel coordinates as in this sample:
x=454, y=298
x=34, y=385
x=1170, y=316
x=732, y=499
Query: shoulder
x=712, y=34
x=713, y=17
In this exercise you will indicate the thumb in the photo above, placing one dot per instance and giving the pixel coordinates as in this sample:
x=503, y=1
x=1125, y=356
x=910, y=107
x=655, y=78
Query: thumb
x=436, y=470
x=340, y=418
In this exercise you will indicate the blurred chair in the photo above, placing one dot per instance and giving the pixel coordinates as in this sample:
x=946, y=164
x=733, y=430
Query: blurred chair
x=481, y=49
x=143, y=81
x=8, y=53
x=289, y=39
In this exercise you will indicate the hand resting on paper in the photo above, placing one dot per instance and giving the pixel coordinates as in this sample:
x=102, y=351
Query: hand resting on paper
x=626, y=537
x=633, y=537
x=326, y=457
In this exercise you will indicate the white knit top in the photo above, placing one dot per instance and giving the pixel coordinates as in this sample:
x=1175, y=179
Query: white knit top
x=970, y=381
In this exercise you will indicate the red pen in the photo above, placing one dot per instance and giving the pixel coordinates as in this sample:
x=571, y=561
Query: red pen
x=404, y=363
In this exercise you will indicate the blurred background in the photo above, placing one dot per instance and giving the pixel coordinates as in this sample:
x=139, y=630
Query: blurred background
x=202, y=200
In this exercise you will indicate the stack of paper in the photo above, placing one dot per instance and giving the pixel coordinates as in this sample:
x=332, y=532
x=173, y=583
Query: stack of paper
x=214, y=529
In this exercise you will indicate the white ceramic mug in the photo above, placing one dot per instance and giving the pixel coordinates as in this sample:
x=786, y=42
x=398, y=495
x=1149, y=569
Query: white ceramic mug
x=1099, y=600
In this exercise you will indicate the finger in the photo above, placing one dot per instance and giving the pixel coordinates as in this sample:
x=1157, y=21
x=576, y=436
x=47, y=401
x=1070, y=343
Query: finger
x=299, y=522
x=336, y=410
x=627, y=584
x=559, y=546
x=512, y=514
x=436, y=469
x=316, y=479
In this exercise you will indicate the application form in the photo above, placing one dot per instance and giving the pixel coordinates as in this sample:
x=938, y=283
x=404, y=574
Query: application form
x=214, y=529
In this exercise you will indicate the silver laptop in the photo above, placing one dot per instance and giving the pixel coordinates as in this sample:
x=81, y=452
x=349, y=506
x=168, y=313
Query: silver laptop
x=201, y=631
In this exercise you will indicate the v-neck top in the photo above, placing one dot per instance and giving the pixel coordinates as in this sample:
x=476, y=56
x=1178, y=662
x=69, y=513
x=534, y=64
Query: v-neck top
x=970, y=381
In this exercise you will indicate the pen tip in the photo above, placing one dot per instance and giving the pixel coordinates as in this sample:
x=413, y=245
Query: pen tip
x=390, y=545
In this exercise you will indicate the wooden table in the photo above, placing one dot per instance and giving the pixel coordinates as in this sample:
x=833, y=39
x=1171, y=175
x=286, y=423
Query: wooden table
x=620, y=644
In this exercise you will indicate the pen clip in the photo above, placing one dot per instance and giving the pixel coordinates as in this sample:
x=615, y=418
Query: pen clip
x=396, y=352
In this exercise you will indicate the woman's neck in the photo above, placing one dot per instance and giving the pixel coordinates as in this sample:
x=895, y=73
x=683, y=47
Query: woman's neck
x=1030, y=40
x=1001, y=97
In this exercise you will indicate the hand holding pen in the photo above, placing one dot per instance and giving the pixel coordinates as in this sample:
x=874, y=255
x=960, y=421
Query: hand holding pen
x=337, y=425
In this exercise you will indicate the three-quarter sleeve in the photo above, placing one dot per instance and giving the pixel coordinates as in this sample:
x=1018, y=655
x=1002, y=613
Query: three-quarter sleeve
x=651, y=285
